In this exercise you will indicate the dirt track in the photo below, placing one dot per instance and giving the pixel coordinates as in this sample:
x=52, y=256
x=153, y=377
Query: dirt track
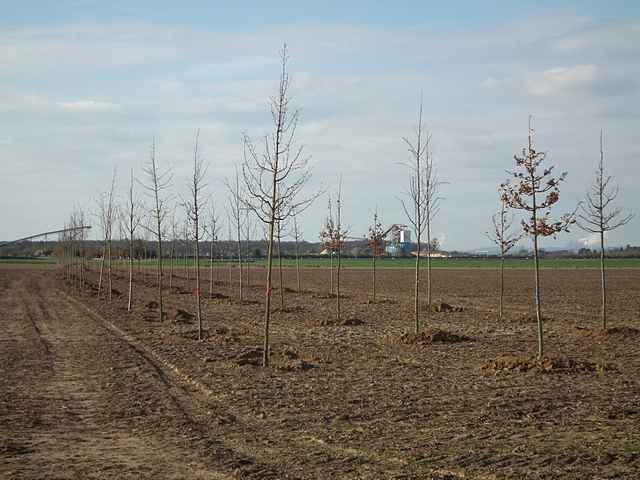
x=77, y=401
x=91, y=391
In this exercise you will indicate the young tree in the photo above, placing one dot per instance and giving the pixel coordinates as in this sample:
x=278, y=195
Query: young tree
x=535, y=191
x=423, y=203
x=598, y=215
x=132, y=217
x=185, y=252
x=172, y=253
x=107, y=213
x=505, y=239
x=297, y=235
x=376, y=246
x=247, y=236
x=340, y=237
x=235, y=206
x=327, y=239
x=280, y=277
x=194, y=208
x=159, y=182
x=332, y=237
x=275, y=178
x=214, y=231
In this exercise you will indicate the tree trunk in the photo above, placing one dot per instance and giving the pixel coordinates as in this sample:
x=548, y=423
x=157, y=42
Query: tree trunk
x=159, y=273
x=104, y=253
x=338, y=283
x=416, y=306
x=331, y=273
x=109, y=271
x=211, y=269
x=297, y=266
x=171, y=261
x=429, y=301
x=500, y=305
x=130, y=273
x=239, y=259
x=197, y=289
x=280, y=271
x=537, y=279
x=603, y=280
x=374, y=277
x=267, y=307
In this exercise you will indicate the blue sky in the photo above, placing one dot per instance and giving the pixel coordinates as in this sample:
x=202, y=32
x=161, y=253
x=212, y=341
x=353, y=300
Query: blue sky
x=84, y=86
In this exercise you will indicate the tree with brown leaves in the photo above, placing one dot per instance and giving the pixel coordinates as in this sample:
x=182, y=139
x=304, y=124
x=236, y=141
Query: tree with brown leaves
x=534, y=190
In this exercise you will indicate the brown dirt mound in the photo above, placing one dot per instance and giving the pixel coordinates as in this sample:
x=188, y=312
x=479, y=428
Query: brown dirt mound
x=9, y=448
x=216, y=296
x=430, y=336
x=326, y=296
x=293, y=309
x=332, y=322
x=529, y=318
x=286, y=360
x=382, y=301
x=610, y=333
x=182, y=316
x=514, y=363
x=445, y=308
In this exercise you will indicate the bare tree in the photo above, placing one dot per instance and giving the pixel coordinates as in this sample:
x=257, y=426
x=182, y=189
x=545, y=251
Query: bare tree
x=332, y=237
x=185, y=252
x=505, y=239
x=214, y=231
x=247, y=236
x=280, y=273
x=297, y=235
x=132, y=217
x=172, y=253
x=376, y=246
x=107, y=213
x=597, y=215
x=533, y=190
x=423, y=202
x=275, y=178
x=194, y=208
x=327, y=239
x=159, y=182
x=340, y=237
x=236, y=202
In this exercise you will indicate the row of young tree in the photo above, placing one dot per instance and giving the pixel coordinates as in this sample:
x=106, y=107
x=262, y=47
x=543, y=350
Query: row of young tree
x=270, y=185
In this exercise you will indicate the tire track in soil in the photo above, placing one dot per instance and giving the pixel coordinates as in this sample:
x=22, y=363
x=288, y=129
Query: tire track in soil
x=74, y=419
x=303, y=446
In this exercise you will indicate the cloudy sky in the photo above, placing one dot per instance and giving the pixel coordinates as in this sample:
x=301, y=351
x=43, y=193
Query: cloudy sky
x=85, y=86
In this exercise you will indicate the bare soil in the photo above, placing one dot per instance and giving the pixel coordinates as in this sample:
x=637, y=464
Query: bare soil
x=89, y=390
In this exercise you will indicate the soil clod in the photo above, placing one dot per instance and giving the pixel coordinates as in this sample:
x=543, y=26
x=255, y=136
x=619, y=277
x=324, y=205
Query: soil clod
x=430, y=336
x=182, y=316
x=514, y=363
x=445, y=308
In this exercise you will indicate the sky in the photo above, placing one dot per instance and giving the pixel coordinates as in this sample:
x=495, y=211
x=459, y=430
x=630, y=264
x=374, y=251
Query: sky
x=86, y=86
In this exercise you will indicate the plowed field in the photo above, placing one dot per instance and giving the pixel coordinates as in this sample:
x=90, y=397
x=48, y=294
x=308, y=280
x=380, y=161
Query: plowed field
x=89, y=390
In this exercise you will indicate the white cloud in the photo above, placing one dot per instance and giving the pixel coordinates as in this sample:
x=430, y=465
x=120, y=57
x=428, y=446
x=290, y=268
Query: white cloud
x=358, y=90
x=88, y=106
x=559, y=79
x=592, y=240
